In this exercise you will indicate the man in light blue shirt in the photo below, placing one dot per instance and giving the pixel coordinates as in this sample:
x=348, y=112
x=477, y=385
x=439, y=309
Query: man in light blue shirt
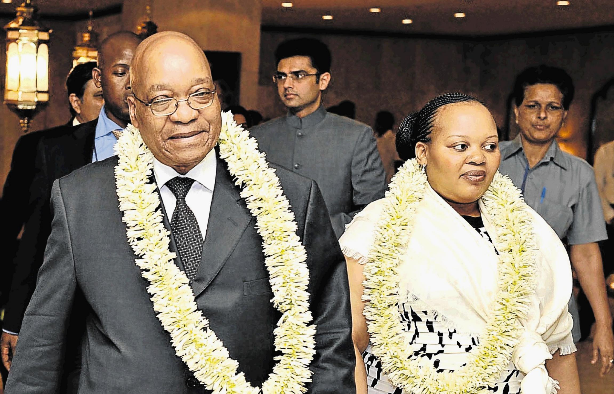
x=104, y=139
x=111, y=75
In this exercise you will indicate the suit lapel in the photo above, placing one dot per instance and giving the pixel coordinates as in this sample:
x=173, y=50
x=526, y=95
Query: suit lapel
x=228, y=219
x=84, y=138
x=62, y=154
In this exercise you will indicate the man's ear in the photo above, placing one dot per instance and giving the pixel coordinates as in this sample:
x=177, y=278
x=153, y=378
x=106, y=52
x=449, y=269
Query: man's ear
x=96, y=76
x=132, y=110
x=75, y=103
x=516, y=113
x=421, y=153
x=324, y=80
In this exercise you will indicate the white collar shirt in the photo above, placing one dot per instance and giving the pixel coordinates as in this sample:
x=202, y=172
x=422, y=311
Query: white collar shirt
x=201, y=193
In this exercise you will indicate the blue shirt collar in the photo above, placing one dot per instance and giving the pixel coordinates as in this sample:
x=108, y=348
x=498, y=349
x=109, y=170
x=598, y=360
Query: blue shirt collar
x=105, y=125
x=553, y=153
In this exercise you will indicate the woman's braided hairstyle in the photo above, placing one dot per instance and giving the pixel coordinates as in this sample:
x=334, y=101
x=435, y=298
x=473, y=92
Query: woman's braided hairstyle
x=417, y=127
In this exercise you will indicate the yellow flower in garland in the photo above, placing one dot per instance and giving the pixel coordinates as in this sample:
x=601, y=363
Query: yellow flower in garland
x=172, y=297
x=515, y=243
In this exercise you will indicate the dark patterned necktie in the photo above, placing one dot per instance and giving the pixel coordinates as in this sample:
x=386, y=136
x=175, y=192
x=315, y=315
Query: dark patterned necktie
x=185, y=229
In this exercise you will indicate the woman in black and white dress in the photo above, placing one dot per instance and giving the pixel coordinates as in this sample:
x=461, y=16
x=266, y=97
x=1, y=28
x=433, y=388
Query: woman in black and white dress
x=457, y=285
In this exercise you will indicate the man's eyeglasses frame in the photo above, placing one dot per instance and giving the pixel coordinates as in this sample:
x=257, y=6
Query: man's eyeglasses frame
x=294, y=76
x=211, y=93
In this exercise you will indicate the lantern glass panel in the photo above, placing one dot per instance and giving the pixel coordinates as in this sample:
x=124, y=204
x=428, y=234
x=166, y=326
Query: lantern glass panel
x=42, y=60
x=12, y=67
x=28, y=66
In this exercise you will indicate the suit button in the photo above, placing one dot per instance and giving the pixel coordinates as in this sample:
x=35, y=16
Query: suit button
x=300, y=133
x=297, y=166
x=192, y=382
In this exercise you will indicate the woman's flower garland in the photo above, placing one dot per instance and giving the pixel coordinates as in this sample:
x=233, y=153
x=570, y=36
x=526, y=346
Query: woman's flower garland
x=172, y=297
x=514, y=241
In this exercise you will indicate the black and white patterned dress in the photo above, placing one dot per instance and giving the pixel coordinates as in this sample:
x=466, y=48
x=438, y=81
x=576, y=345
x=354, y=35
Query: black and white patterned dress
x=432, y=338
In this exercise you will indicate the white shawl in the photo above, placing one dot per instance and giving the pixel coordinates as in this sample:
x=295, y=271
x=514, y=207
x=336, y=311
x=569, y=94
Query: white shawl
x=453, y=272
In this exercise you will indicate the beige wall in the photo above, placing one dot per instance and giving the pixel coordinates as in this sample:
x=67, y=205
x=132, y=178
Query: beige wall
x=401, y=74
x=216, y=25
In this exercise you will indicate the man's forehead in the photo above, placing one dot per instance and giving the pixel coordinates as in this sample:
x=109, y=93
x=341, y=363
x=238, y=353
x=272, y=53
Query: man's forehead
x=295, y=63
x=120, y=49
x=156, y=86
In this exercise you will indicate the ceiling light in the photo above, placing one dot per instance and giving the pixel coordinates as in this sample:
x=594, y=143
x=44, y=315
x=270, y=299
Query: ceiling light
x=327, y=17
x=287, y=5
x=87, y=41
x=562, y=2
x=407, y=21
x=459, y=15
x=375, y=10
x=7, y=1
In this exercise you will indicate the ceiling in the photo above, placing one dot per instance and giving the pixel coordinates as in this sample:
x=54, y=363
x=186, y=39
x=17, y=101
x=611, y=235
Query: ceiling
x=58, y=8
x=483, y=17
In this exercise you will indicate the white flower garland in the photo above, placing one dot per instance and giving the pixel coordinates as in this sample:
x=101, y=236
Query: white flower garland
x=172, y=297
x=515, y=242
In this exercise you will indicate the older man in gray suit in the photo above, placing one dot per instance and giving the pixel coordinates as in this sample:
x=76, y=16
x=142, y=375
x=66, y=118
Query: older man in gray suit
x=163, y=245
x=340, y=154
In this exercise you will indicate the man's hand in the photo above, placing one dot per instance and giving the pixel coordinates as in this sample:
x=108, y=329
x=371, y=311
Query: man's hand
x=603, y=345
x=7, y=347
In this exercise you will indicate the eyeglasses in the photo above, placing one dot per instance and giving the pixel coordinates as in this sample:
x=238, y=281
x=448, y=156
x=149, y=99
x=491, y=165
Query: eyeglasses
x=168, y=106
x=294, y=76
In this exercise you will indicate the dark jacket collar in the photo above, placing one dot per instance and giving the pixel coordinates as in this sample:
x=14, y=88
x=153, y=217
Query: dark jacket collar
x=308, y=121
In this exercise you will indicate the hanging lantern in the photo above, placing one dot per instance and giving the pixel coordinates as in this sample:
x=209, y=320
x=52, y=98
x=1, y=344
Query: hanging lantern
x=26, y=89
x=87, y=41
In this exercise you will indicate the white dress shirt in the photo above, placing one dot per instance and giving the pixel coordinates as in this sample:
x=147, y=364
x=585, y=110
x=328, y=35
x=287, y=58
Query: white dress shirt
x=200, y=195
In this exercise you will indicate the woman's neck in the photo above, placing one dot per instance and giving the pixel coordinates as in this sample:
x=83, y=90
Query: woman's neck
x=465, y=209
x=534, y=152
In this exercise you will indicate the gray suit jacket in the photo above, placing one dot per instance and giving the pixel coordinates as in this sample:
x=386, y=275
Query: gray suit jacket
x=125, y=349
x=339, y=153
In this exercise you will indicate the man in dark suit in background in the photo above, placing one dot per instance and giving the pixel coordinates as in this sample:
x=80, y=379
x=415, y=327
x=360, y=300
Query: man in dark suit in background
x=339, y=153
x=215, y=239
x=59, y=152
x=85, y=100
